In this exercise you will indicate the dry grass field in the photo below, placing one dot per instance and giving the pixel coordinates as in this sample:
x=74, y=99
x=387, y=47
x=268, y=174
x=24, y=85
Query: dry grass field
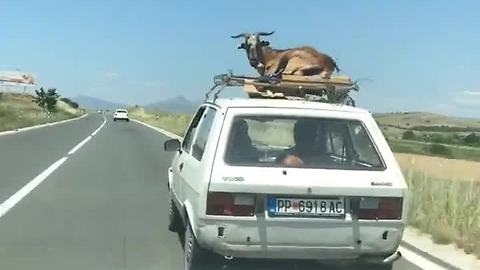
x=18, y=111
x=438, y=167
x=176, y=123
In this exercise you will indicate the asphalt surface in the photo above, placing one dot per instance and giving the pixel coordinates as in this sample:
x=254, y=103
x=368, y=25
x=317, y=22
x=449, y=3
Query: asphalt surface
x=106, y=207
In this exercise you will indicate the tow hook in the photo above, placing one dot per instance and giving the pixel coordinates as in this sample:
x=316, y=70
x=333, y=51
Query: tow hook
x=395, y=256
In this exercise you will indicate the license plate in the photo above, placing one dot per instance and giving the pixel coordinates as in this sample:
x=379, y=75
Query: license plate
x=332, y=207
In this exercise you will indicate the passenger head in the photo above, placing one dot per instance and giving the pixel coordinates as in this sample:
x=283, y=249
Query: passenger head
x=304, y=132
x=292, y=161
x=240, y=131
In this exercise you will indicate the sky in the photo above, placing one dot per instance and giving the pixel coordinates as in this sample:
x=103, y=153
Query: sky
x=409, y=55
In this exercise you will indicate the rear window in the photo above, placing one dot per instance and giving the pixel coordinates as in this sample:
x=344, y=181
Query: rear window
x=301, y=142
x=121, y=111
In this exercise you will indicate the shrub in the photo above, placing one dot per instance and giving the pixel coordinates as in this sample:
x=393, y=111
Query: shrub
x=408, y=135
x=46, y=100
x=443, y=235
x=439, y=149
x=472, y=139
x=437, y=138
x=70, y=102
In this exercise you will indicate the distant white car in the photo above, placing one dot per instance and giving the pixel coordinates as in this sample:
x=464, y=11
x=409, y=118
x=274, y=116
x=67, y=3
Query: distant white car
x=121, y=114
x=286, y=179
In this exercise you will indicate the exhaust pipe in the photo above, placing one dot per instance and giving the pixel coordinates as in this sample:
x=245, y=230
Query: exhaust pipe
x=390, y=259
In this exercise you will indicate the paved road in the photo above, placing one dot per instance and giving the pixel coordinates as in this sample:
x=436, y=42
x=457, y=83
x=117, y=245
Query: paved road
x=104, y=208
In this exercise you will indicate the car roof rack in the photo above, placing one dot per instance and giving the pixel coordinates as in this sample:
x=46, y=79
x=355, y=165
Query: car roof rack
x=309, y=88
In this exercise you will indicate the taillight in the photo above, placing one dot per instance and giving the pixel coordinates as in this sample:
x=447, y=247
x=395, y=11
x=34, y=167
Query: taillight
x=230, y=204
x=380, y=208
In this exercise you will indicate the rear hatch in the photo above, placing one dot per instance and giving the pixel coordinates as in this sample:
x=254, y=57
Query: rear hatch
x=311, y=204
x=121, y=114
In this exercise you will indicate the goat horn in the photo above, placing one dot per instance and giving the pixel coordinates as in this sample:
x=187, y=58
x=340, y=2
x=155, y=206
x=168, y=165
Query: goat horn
x=240, y=35
x=265, y=33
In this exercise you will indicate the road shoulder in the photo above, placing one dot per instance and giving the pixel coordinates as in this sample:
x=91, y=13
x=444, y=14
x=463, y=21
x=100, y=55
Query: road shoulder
x=447, y=256
x=164, y=132
x=15, y=131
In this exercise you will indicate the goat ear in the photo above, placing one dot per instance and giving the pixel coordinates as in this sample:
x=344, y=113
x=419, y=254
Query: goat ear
x=265, y=43
x=241, y=46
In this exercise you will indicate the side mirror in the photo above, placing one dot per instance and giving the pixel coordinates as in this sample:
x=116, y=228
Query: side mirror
x=171, y=145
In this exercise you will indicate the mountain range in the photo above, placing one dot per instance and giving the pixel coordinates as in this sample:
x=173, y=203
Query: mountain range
x=89, y=102
x=176, y=104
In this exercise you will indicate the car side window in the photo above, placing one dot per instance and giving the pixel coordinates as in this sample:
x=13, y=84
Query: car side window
x=188, y=140
x=203, y=133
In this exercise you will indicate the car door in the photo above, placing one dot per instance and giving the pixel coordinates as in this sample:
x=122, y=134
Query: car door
x=193, y=172
x=179, y=162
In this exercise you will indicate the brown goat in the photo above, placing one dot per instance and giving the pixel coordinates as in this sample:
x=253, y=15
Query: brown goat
x=304, y=61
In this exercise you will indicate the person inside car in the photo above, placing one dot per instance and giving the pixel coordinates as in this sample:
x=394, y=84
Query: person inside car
x=240, y=148
x=309, y=148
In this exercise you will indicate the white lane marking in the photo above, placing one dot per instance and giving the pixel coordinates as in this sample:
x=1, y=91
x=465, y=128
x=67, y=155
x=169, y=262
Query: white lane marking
x=15, y=131
x=25, y=190
x=74, y=149
x=78, y=146
x=164, y=132
x=98, y=129
x=19, y=195
x=419, y=260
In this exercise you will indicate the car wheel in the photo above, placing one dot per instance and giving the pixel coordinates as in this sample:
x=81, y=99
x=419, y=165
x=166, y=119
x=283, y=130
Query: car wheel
x=128, y=120
x=193, y=253
x=114, y=119
x=175, y=223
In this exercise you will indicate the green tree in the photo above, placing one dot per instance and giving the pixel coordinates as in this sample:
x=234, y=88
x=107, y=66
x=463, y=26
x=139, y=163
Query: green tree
x=438, y=138
x=439, y=150
x=408, y=135
x=47, y=100
x=472, y=139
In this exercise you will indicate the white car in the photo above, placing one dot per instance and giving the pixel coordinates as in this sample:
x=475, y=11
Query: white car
x=266, y=178
x=120, y=114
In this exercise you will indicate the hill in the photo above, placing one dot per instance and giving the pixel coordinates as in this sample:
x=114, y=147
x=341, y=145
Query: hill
x=421, y=119
x=18, y=111
x=96, y=103
x=178, y=104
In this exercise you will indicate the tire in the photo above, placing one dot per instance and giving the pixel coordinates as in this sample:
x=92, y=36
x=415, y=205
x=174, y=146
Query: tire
x=128, y=120
x=194, y=255
x=114, y=120
x=175, y=222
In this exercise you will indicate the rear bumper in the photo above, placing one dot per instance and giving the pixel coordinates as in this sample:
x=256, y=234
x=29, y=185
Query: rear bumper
x=251, y=239
x=120, y=117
